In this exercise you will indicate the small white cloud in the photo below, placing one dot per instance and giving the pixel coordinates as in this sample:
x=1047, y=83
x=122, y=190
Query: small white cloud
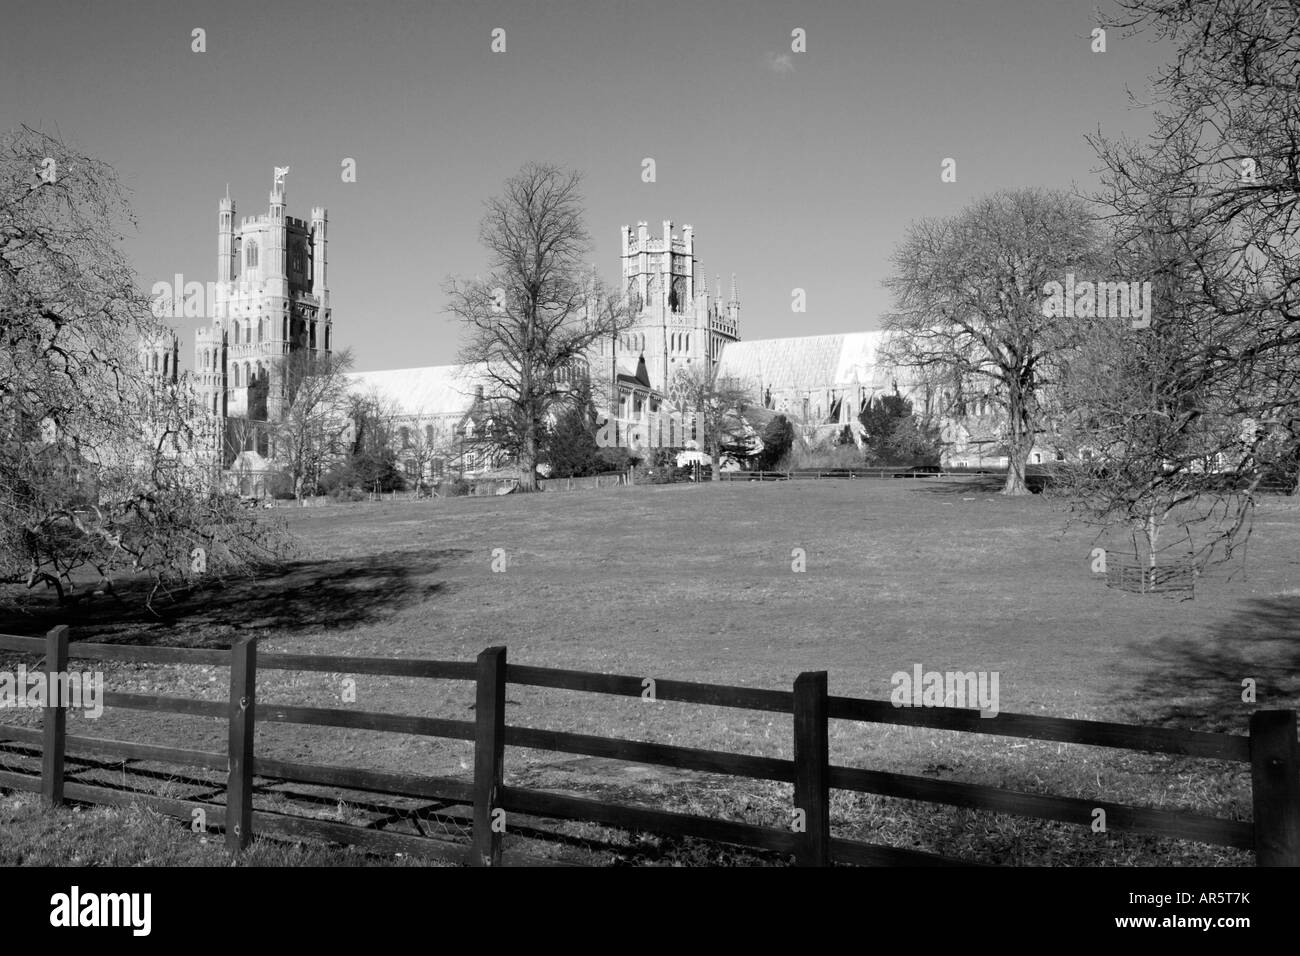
x=780, y=62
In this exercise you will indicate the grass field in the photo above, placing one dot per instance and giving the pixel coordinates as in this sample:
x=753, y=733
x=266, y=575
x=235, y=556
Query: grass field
x=696, y=582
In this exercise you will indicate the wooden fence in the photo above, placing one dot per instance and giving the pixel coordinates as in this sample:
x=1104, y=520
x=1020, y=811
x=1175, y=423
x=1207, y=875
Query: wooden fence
x=1036, y=476
x=1271, y=749
x=1131, y=574
x=847, y=473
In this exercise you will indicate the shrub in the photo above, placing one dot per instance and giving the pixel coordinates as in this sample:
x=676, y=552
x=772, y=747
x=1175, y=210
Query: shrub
x=822, y=456
x=570, y=447
x=778, y=437
x=614, y=459
x=453, y=487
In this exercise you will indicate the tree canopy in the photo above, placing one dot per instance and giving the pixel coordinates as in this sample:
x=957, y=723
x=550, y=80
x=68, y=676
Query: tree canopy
x=98, y=475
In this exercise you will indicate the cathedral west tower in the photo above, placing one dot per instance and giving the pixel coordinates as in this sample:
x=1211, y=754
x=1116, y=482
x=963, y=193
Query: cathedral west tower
x=270, y=301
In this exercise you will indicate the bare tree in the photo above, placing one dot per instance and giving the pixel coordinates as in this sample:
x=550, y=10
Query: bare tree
x=1185, y=423
x=531, y=322
x=970, y=291
x=428, y=443
x=311, y=433
x=1152, y=444
x=99, y=468
x=1222, y=168
x=711, y=406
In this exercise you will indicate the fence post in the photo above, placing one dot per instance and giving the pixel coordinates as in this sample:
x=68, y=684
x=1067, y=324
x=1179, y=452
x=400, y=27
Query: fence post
x=1275, y=787
x=489, y=754
x=812, y=793
x=239, y=782
x=54, y=723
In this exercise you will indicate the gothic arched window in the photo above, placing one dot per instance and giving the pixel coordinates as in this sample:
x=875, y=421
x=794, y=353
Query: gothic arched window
x=250, y=256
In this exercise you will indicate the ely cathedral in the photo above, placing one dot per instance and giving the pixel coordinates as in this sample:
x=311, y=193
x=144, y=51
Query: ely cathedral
x=270, y=303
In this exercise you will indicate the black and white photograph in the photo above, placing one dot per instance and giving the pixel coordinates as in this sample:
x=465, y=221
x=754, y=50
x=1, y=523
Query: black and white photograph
x=697, y=434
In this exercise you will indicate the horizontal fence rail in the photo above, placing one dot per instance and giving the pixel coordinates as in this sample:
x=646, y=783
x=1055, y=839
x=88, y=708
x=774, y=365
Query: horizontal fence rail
x=1270, y=749
x=1036, y=475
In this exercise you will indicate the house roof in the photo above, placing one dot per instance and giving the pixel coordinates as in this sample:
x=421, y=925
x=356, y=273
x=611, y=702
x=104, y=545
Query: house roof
x=639, y=377
x=810, y=361
x=432, y=390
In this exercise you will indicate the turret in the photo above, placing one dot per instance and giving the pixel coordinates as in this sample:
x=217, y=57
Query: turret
x=160, y=356
x=666, y=269
x=688, y=240
x=209, y=368
x=277, y=201
x=274, y=260
x=225, y=245
x=319, y=223
x=642, y=243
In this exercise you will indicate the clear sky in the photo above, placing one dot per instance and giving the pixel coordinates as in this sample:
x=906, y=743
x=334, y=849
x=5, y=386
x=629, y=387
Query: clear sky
x=797, y=169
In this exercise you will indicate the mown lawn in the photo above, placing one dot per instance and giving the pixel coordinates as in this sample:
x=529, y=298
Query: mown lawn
x=696, y=582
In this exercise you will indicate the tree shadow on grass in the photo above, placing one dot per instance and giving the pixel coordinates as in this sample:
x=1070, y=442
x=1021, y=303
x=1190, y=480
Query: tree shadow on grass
x=1196, y=681
x=299, y=596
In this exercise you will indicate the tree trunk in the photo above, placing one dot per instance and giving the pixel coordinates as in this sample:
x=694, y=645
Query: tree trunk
x=716, y=461
x=1018, y=445
x=528, y=460
x=1015, y=484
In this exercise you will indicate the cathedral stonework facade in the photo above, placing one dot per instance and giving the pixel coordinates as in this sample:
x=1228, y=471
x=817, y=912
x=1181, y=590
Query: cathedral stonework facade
x=677, y=328
x=677, y=323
